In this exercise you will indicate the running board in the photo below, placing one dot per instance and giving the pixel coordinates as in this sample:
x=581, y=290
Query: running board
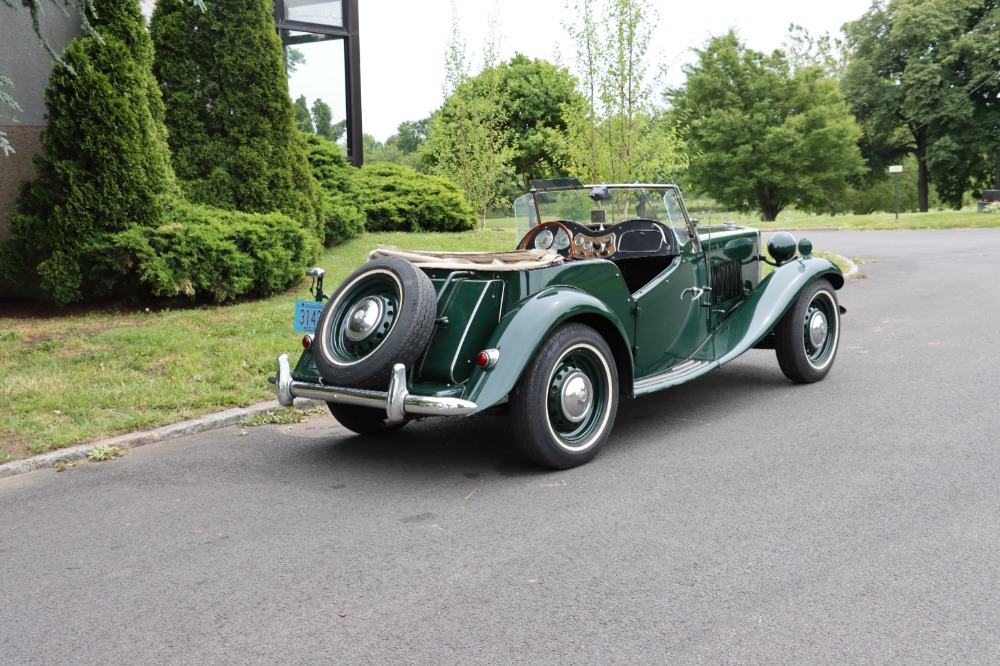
x=680, y=373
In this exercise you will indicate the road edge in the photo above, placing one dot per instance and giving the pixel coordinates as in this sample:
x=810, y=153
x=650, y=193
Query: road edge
x=214, y=421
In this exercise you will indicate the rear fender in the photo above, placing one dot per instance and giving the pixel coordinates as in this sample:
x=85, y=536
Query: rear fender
x=522, y=330
x=759, y=314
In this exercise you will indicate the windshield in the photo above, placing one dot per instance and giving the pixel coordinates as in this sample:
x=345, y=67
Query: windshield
x=600, y=205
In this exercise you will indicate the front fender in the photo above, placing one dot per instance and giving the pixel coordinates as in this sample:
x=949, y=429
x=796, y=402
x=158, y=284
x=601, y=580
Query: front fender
x=522, y=330
x=759, y=314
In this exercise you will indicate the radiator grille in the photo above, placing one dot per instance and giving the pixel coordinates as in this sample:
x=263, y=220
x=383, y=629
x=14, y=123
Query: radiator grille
x=726, y=277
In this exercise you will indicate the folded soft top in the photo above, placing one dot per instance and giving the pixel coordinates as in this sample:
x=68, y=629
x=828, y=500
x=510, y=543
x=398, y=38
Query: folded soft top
x=516, y=260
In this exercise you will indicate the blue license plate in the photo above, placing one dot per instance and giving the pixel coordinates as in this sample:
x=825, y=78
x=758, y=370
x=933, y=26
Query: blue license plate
x=307, y=315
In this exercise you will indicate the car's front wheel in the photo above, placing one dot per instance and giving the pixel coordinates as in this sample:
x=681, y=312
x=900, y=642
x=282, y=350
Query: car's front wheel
x=564, y=406
x=806, y=338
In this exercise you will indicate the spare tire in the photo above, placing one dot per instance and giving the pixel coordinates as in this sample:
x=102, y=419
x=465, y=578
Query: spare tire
x=382, y=314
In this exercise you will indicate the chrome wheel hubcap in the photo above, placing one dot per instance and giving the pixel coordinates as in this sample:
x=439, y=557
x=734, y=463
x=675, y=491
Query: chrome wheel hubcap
x=364, y=318
x=818, y=328
x=577, y=397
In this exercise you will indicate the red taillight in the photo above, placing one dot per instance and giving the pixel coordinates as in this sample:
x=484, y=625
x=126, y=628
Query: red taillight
x=488, y=358
x=307, y=342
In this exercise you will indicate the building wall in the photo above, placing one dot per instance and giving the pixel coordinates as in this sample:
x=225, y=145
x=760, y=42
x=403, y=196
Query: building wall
x=28, y=65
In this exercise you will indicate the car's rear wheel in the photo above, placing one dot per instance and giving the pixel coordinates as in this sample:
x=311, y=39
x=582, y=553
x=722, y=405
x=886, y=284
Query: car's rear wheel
x=564, y=405
x=364, y=420
x=807, y=337
x=382, y=314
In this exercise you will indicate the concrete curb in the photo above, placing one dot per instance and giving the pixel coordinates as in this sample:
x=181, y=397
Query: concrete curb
x=132, y=440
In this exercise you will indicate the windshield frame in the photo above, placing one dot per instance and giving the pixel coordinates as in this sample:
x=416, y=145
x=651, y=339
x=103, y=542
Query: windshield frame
x=570, y=200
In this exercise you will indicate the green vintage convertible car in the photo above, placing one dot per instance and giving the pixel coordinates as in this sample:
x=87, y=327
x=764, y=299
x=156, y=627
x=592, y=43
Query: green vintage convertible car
x=614, y=290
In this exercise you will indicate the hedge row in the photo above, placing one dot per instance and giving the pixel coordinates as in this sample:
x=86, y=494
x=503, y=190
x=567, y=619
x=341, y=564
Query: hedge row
x=223, y=254
x=382, y=196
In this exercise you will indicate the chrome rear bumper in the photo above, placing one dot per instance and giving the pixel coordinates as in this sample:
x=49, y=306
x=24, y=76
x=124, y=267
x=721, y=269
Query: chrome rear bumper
x=397, y=402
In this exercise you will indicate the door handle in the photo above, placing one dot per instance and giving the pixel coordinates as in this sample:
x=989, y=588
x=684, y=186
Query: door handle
x=696, y=292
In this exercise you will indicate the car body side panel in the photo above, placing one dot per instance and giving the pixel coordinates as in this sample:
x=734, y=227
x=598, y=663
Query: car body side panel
x=467, y=314
x=522, y=330
x=758, y=315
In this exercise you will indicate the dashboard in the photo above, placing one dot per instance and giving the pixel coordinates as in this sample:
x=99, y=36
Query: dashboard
x=630, y=239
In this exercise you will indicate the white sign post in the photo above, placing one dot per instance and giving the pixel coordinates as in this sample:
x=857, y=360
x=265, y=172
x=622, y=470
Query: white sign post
x=896, y=169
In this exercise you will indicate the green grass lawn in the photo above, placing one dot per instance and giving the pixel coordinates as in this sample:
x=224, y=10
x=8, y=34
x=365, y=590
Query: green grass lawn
x=950, y=219
x=68, y=377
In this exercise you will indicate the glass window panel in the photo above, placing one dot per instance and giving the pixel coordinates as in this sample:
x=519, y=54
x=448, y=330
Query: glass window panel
x=321, y=12
x=318, y=75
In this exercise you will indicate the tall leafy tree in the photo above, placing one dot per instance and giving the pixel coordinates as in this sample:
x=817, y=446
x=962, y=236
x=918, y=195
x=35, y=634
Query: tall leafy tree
x=228, y=112
x=765, y=136
x=615, y=132
x=106, y=165
x=922, y=80
x=535, y=93
x=467, y=141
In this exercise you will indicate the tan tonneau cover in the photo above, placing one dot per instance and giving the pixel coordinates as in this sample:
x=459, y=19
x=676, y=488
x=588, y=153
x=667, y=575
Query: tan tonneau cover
x=517, y=260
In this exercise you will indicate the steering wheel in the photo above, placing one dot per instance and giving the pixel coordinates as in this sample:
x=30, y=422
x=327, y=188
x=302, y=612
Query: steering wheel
x=546, y=236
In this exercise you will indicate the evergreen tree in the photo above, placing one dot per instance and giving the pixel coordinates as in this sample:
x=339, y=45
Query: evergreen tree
x=229, y=117
x=105, y=167
x=303, y=120
x=323, y=117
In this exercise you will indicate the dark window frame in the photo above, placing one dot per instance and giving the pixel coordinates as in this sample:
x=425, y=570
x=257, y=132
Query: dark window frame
x=348, y=34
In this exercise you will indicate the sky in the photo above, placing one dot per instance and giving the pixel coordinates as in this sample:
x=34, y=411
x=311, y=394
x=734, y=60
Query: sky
x=403, y=43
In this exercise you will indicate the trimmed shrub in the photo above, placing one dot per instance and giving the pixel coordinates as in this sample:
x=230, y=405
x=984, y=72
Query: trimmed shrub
x=341, y=212
x=398, y=198
x=105, y=167
x=228, y=112
x=203, y=252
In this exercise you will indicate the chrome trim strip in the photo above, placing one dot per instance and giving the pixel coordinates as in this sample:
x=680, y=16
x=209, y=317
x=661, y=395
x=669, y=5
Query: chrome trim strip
x=397, y=401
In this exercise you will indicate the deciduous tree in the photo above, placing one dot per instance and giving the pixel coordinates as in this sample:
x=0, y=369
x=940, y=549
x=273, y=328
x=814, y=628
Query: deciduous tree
x=467, y=140
x=615, y=132
x=922, y=80
x=762, y=135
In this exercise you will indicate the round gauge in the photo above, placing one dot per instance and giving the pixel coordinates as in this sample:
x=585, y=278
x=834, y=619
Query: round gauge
x=578, y=241
x=562, y=240
x=543, y=240
x=588, y=245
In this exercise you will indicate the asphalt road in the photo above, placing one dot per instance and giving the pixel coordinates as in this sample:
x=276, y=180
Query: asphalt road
x=738, y=519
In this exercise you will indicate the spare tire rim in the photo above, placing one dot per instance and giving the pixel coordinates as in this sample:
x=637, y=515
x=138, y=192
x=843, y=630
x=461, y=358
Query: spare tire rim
x=364, y=319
